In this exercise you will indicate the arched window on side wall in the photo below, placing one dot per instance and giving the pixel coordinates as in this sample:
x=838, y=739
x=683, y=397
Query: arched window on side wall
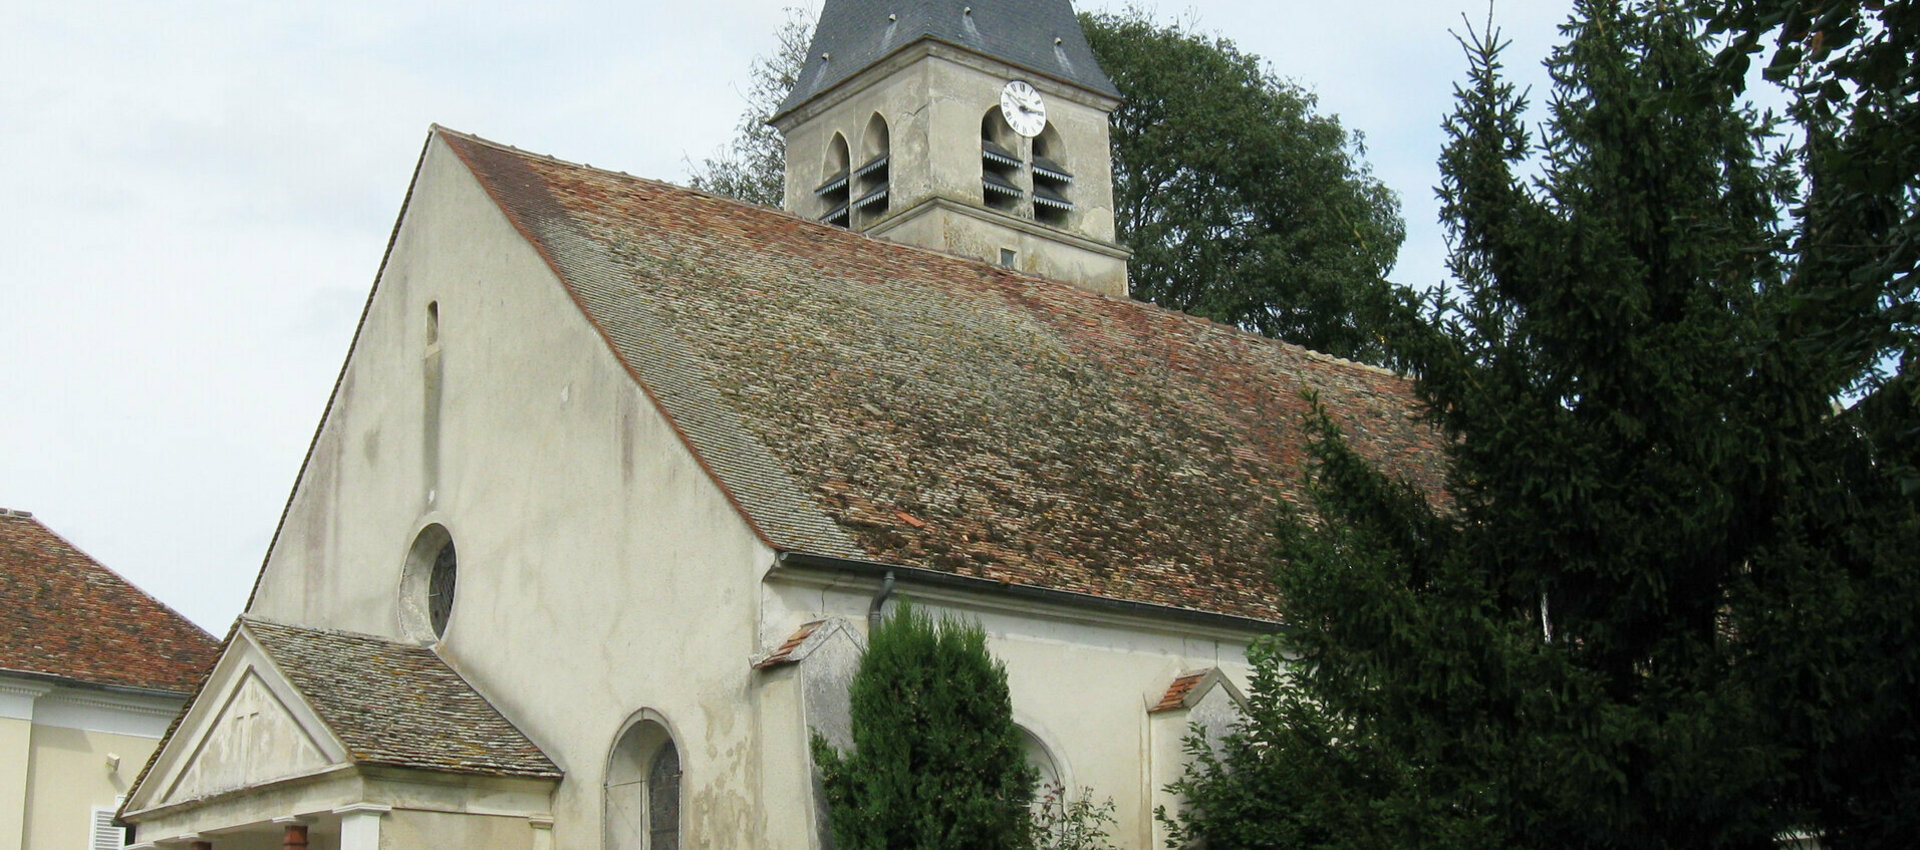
x=871, y=184
x=1041, y=758
x=835, y=184
x=643, y=794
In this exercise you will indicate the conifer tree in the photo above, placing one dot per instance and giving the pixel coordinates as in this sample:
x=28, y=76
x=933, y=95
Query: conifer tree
x=936, y=762
x=1668, y=599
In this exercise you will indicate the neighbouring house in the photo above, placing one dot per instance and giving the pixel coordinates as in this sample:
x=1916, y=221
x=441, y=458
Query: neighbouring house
x=91, y=672
x=616, y=472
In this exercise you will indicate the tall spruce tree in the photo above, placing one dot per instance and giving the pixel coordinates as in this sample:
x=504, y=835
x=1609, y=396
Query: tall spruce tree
x=937, y=762
x=1668, y=599
x=1836, y=596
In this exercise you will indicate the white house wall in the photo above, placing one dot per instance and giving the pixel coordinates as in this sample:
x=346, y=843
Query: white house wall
x=600, y=570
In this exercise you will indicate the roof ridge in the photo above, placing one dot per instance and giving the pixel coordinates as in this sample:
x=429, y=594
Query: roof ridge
x=251, y=619
x=978, y=264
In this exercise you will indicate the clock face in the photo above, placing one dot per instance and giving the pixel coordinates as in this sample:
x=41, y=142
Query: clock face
x=1021, y=104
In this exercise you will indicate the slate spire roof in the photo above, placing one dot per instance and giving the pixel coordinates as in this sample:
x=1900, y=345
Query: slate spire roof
x=1042, y=36
x=861, y=399
x=64, y=616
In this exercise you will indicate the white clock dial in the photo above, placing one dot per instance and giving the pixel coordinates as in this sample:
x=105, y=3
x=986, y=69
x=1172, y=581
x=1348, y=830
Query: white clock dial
x=1024, y=110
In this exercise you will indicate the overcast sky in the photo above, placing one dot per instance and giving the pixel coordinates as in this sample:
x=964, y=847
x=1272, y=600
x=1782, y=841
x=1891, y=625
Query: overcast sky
x=196, y=195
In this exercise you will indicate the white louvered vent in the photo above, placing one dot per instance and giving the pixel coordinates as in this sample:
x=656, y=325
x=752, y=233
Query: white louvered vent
x=104, y=835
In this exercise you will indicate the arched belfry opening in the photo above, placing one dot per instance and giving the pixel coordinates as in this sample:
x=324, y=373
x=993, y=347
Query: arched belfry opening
x=1052, y=181
x=835, y=189
x=1000, y=163
x=1000, y=155
x=871, y=179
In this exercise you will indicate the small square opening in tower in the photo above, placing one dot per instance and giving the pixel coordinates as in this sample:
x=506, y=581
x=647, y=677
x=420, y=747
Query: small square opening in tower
x=1007, y=257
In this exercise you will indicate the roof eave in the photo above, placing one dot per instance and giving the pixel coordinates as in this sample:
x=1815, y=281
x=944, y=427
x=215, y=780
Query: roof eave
x=807, y=561
x=73, y=682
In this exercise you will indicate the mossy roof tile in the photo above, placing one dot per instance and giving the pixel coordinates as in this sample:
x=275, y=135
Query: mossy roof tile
x=863, y=399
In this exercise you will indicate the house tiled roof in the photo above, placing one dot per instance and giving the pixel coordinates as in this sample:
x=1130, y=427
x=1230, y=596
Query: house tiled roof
x=862, y=399
x=398, y=704
x=1042, y=36
x=64, y=615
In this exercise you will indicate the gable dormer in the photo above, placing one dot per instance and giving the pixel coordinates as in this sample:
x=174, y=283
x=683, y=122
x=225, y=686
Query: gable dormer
x=975, y=128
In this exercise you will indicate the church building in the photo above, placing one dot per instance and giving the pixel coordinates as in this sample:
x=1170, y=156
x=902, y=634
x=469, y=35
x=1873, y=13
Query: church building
x=616, y=473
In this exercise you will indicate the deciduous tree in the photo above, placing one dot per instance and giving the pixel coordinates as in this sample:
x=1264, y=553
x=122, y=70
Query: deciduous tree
x=1240, y=200
x=752, y=167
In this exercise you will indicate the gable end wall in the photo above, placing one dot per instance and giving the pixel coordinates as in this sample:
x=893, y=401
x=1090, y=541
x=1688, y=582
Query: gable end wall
x=601, y=571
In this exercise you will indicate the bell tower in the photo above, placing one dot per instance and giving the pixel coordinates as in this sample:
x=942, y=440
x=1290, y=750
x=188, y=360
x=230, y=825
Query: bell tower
x=974, y=127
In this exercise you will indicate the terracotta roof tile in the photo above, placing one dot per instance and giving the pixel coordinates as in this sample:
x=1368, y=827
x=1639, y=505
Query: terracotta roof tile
x=398, y=704
x=62, y=614
x=862, y=399
x=1176, y=695
x=784, y=654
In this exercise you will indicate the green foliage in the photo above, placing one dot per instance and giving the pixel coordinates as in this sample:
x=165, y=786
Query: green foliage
x=937, y=762
x=1671, y=596
x=1072, y=822
x=752, y=167
x=1239, y=201
x=1837, y=595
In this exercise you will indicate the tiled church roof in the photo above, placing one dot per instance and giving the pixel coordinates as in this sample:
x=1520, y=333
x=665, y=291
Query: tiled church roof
x=64, y=615
x=862, y=399
x=398, y=704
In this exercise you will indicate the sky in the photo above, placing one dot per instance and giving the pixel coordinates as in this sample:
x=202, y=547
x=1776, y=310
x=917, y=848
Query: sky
x=197, y=195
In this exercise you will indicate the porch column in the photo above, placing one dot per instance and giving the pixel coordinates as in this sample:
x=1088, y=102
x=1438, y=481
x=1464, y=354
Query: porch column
x=542, y=832
x=360, y=826
x=295, y=837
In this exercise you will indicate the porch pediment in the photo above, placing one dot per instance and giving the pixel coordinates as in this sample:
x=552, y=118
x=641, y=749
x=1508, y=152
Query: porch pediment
x=286, y=702
x=248, y=726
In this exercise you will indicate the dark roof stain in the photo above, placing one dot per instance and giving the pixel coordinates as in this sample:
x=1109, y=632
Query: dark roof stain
x=862, y=399
x=853, y=35
x=64, y=615
x=398, y=704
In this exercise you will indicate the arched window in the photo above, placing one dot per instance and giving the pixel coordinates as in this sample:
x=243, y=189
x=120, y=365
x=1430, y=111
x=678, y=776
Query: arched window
x=1052, y=182
x=643, y=788
x=428, y=580
x=835, y=185
x=663, y=799
x=1000, y=163
x=433, y=373
x=871, y=178
x=440, y=584
x=1042, y=760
